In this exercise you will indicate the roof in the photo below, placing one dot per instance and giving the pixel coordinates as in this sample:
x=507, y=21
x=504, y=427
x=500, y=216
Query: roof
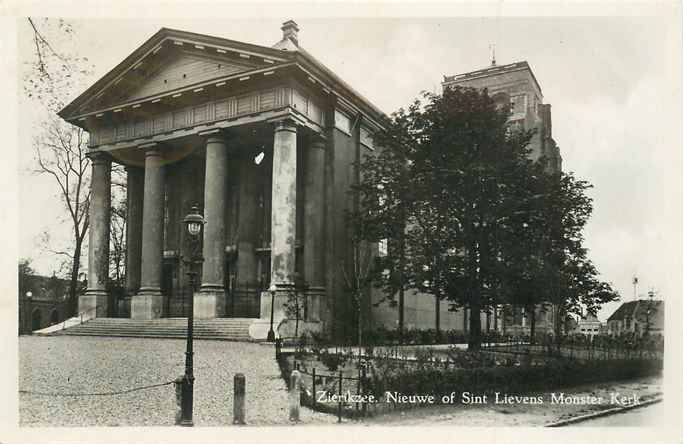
x=492, y=71
x=285, y=51
x=638, y=310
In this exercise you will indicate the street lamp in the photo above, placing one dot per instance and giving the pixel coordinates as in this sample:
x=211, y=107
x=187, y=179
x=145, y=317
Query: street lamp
x=194, y=222
x=651, y=295
x=271, y=334
x=29, y=319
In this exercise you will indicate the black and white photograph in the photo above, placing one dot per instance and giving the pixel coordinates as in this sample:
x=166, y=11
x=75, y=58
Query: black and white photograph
x=357, y=217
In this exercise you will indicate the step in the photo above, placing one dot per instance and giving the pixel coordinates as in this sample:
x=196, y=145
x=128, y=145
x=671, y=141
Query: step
x=236, y=329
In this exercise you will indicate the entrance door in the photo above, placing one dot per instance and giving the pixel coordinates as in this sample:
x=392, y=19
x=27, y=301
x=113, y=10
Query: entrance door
x=35, y=320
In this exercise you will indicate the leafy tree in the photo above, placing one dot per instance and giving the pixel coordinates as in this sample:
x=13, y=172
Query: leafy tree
x=573, y=282
x=469, y=166
x=26, y=271
x=385, y=196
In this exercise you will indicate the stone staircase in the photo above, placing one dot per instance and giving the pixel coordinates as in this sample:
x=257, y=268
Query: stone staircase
x=226, y=329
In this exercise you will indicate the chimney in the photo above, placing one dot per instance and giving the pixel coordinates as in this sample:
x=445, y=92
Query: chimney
x=290, y=30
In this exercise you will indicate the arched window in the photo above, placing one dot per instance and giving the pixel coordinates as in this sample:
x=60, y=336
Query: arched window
x=54, y=317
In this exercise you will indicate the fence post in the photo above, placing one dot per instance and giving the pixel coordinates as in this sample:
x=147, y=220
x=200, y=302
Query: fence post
x=294, y=396
x=315, y=394
x=365, y=404
x=239, y=399
x=339, y=405
x=358, y=386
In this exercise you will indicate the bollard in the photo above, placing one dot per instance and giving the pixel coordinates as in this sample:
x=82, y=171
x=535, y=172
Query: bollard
x=238, y=409
x=315, y=395
x=178, y=382
x=294, y=396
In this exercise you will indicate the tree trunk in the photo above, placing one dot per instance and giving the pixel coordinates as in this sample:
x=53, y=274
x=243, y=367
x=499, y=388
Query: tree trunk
x=532, y=324
x=401, y=313
x=474, y=343
x=558, y=327
x=73, y=279
x=437, y=316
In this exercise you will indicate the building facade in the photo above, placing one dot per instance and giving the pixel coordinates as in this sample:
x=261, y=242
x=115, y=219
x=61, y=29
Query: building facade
x=262, y=139
x=637, y=317
x=42, y=301
x=515, y=84
x=589, y=325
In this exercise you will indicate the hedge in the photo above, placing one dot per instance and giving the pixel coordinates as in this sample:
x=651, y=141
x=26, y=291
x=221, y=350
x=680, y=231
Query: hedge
x=519, y=379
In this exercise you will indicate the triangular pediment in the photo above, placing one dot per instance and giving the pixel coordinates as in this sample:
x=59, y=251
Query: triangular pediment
x=184, y=70
x=178, y=69
x=169, y=61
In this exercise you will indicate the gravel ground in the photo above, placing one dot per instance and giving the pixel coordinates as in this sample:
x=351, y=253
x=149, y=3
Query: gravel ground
x=72, y=364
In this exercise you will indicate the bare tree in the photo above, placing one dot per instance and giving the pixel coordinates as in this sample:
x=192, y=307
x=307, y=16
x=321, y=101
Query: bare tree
x=119, y=216
x=59, y=148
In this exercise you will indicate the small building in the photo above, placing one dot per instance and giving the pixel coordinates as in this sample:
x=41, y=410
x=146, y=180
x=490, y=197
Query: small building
x=47, y=304
x=637, y=317
x=588, y=325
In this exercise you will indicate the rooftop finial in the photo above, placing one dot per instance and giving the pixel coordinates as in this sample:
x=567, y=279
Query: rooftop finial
x=492, y=47
x=290, y=30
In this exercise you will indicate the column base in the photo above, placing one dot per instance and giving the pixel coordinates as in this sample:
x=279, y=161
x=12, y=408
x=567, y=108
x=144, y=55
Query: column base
x=93, y=304
x=282, y=293
x=147, y=304
x=209, y=303
x=315, y=296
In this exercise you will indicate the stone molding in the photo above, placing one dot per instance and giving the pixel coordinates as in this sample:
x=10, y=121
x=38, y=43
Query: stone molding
x=211, y=112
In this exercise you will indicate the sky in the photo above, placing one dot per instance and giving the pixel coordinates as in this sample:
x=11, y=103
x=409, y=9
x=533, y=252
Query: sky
x=614, y=84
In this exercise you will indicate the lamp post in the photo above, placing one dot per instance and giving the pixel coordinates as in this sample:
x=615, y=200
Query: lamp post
x=651, y=295
x=29, y=318
x=194, y=223
x=271, y=334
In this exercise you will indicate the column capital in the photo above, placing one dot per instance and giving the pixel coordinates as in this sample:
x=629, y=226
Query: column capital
x=286, y=123
x=99, y=157
x=151, y=149
x=318, y=141
x=215, y=136
x=133, y=168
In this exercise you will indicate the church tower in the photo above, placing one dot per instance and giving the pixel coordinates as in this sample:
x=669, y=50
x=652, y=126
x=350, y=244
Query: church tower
x=515, y=84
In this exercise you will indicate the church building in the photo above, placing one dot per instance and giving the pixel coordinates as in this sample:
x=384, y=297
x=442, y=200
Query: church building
x=263, y=139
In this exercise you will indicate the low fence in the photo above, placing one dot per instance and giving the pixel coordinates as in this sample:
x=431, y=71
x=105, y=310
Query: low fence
x=343, y=376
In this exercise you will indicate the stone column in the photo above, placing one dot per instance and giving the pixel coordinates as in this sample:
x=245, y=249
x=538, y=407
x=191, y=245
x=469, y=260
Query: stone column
x=314, y=210
x=135, y=186
x=283, y=214
x=210, y=302
x=94, y=302
x=246, y=229
x=148, y=302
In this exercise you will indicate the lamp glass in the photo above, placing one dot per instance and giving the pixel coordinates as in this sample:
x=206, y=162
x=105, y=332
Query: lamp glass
x=194, y=228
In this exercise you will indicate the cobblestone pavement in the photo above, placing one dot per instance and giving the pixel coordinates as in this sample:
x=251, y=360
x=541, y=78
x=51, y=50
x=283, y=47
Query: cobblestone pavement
x=72, y=364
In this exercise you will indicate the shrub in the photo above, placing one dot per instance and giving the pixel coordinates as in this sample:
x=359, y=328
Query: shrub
x=517, y=379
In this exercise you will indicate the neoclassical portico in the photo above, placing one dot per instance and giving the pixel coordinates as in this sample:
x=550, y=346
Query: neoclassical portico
x=262, y=139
